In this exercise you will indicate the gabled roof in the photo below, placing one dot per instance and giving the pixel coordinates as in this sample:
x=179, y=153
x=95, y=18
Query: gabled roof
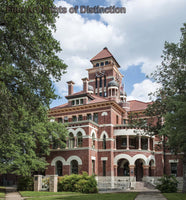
x=138, y=105
x=105, y=53
x=61, y=106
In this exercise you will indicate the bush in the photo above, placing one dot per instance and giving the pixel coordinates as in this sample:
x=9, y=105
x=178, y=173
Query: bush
x=25, y=183
x=78, y=183
x=167, y=184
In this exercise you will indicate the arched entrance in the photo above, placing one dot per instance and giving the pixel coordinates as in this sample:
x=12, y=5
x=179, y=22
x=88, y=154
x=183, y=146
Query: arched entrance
x=151, y=168
x=139, y=169
x=123, y=167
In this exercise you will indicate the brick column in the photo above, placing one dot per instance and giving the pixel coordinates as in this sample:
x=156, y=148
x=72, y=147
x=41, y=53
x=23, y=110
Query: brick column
x=37, y=183
x=139, y=148
x=131, y=170
x=153, y=170
x=53, y=183
x=145, y=170
x=75, y=142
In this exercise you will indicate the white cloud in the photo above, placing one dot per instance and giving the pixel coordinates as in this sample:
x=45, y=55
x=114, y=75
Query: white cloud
x=141, y=90
x=135, y=37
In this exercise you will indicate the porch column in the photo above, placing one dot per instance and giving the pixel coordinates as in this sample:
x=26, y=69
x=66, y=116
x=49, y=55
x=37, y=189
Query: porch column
x=67, y=143
x=148, y=143
x=37, y=183
x=153, y=170
x=131, y=170
x=115, y=170
x=139, y=142
x=145, y=170
x=75, y=142
x=127, y=142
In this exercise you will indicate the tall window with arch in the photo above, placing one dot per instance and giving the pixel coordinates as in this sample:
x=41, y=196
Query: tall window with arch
x=104, y=142
x=74, y=167
x=100, y=82
x=71, y=141
x=93, y=140
x=59, y=168
x=79, y=139
x=96, y=79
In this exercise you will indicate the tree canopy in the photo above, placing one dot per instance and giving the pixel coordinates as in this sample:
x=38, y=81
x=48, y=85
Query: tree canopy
x=28, y=64
x=171, y=97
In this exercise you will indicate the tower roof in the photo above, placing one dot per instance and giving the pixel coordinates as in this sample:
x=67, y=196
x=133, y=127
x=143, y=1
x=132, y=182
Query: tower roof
x=105, y=53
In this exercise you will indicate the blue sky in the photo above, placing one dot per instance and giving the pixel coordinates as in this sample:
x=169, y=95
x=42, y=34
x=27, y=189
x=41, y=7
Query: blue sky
x=136, y=39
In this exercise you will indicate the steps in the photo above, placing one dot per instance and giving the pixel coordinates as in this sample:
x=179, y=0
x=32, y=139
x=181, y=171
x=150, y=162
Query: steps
x=143, y=186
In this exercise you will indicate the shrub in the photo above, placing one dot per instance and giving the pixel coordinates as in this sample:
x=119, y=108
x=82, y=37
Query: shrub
x=167, y=184
x=78, y=183
x=25, y=183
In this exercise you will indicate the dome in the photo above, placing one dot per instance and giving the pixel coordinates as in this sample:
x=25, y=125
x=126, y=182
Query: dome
x=113, y=83
x=90, y=88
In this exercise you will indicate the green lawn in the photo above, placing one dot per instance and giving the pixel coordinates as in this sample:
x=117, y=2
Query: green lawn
x=77, y=196
x=2, y=194
x=43, y=193
x=175, y=196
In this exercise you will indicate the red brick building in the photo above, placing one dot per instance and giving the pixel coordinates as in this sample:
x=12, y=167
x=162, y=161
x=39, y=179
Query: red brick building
x=100, y=140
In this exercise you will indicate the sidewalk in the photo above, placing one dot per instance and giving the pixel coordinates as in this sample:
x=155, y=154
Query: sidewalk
x=13, y=196
x=150, y=196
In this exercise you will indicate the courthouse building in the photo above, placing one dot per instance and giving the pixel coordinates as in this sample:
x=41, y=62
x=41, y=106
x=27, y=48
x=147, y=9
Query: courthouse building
x=101, y=140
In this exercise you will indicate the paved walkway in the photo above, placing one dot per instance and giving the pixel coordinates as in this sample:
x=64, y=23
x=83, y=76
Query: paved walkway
x=150, y=196
x=13, y=196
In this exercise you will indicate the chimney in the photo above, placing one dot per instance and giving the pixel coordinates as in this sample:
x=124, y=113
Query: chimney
x=70, y=87
x=85, y=84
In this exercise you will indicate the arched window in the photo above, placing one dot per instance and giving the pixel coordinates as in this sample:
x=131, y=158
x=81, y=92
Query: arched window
x=74, y=167
x=71, y=141
x=105, y=81
x=104, y=141
x=59, y=168
x=100, y=82
x=96, y=82
x=93, y=140
x=79, y=139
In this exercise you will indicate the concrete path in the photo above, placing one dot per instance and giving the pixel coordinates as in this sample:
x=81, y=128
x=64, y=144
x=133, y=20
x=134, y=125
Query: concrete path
x=150, y=196
x=13, y=196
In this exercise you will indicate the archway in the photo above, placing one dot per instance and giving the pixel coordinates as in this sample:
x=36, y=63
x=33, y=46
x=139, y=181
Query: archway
x=74, y=167
x=59, y=168
x=123, y=167
x=139, y=169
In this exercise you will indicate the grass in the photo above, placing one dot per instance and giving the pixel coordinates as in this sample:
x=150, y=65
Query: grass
x=175, y=196
x=2, y=194
x=78, y=196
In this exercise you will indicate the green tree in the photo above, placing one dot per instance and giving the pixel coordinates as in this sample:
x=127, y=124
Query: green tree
x=28, y=63
x=171, y=97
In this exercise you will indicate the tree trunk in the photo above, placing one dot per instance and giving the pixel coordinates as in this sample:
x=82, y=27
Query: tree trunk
x=184, y=173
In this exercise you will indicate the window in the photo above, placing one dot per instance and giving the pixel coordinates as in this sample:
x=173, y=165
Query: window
x=96, y=82
x=73, y=103
x=104, y=141
x=93, y=140
x=100, y=82
x=102, y=63
x=80, y=118
x=124, y=121
x=105, y=81
x=74, y=118
x=81, y=101
x=89, y=117
x=105, y=94
x=97, y=64
x=77, y=102
x=79, y=139
x=117, y=119
x=174, y=169
x=65, y=119
x=144, y=143
x=95, y=117
x=59, y=168
x=60, y=120
x=106, y=62
x=104, y=167
x=100, y=94
x=74, y=167
x=93, y=166
x=71, y=141
x=124, y=142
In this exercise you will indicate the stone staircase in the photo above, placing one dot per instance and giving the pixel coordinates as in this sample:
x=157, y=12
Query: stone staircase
x=143, y=186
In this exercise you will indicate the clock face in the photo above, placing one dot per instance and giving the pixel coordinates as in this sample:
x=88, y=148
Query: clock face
x=100, y=72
